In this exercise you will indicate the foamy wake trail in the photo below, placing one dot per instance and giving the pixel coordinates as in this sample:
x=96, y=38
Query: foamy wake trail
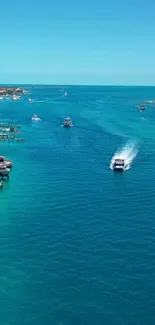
x=128, y=152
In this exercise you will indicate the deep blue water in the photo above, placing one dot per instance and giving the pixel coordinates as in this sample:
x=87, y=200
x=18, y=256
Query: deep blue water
x=77, y=241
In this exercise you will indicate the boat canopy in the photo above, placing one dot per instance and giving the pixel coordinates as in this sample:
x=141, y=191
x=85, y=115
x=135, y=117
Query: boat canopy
x=119, y=161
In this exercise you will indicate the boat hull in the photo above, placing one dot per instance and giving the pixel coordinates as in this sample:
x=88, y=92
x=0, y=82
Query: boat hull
x=118, y=169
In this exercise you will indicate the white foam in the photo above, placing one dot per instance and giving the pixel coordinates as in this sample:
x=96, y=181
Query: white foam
x=128, y=152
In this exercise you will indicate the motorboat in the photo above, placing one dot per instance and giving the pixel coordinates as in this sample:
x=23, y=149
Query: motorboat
x=67, y=122
x=5, y=163
x=35, y=118
x=141, y=107
x=119, y=164
x=14, y=97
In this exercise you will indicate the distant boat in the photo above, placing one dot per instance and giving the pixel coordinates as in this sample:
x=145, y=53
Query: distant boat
x=65, y=94
x=14, y=97
x=141, y=107
x=119, y=164
x=67, y=122
x=35, y=118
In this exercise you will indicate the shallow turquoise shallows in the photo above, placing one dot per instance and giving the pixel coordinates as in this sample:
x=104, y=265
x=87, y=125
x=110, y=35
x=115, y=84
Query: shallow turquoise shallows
x=77, y=241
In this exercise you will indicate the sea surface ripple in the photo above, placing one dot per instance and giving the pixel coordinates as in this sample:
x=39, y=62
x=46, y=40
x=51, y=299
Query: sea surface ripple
x=77, y=241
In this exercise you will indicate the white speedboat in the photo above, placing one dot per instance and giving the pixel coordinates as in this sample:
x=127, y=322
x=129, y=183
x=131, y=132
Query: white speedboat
x=119, y=164
x=35, y=118
x=14, y=97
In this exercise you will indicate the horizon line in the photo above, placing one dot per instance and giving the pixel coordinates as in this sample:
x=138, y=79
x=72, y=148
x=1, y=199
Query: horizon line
x=72, y=85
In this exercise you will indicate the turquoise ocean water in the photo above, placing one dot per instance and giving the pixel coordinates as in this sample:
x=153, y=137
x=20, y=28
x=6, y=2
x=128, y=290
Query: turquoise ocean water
x=77, y=241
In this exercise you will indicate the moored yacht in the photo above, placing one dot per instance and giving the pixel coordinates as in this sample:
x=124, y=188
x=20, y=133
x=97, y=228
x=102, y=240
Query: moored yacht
x=5, y=163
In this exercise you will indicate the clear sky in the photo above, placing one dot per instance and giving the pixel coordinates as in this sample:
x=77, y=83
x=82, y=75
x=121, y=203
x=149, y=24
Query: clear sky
x=77, y=42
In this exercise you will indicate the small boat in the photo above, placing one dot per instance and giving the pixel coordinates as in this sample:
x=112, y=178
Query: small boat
x=35, y=118
x=65, y=94
x=67, y=122
x=5, y=163
x=119, y=164
x=14, y=97
x=142, y=108
x=1, y=184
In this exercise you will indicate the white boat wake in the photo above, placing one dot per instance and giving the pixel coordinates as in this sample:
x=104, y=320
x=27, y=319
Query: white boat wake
x=128, y=152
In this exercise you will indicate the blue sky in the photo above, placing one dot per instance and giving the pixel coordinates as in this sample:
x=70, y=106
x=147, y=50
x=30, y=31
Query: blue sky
x=77, y=42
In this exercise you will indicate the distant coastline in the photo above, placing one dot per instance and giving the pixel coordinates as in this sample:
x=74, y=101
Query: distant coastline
x=10, y=90
x=20, y=87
